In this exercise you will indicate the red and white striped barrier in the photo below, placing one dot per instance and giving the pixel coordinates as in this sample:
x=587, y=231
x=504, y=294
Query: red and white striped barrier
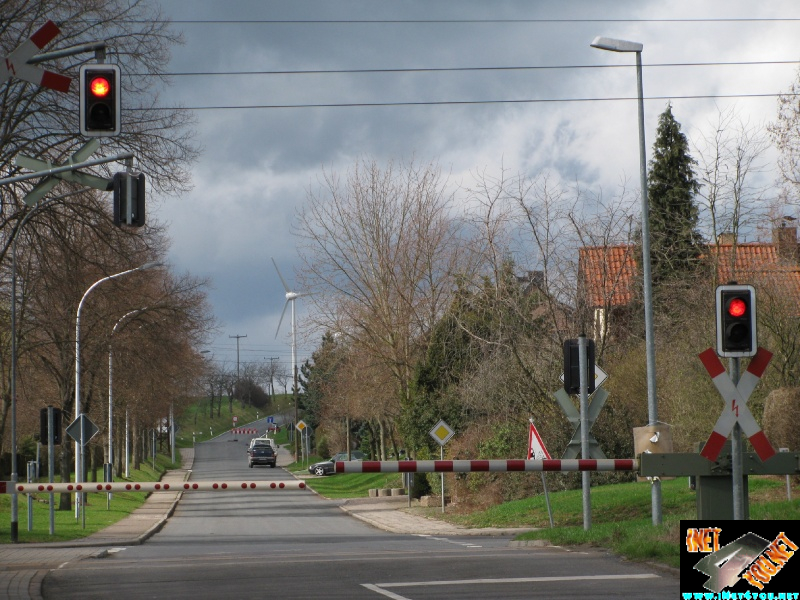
x=150, y=486
x=494, y=466
x=735, y=398
x=244, y=430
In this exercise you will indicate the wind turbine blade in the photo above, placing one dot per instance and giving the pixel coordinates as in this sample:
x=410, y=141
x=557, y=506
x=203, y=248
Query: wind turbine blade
x=283, y=281
x=283, y=312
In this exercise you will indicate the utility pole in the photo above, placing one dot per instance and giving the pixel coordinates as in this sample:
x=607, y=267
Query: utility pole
x=272, y=360
x=237, y=357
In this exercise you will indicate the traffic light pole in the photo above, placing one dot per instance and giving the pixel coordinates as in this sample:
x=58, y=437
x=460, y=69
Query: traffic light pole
x=737, y=449
x=584, y=409
x=66, y=168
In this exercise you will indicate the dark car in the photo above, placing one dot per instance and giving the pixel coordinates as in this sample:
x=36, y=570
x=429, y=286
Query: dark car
x=261, y=454
x=328, y=467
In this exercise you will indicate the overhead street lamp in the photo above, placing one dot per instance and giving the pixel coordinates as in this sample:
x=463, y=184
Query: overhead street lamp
x=614, y=45
x=79, y=444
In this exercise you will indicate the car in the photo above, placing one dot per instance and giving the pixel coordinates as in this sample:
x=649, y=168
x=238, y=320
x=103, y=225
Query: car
x=328, y=467
x=262, y=454
x=261, y=440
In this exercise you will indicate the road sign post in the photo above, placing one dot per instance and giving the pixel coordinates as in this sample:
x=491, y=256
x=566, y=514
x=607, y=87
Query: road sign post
x=538, y=451
x=301, y=427
x=442, y=433
x=735, y=397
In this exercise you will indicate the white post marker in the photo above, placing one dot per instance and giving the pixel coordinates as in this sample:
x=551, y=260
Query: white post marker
x=735, y=397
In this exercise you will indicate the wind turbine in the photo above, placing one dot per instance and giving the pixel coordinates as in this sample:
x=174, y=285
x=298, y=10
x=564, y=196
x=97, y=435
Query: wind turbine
x=290, y=297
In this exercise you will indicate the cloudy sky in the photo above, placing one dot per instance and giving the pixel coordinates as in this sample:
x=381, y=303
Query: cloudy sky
x=286, y=89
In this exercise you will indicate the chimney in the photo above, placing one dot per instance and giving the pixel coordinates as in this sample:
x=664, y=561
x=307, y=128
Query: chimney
x=726, y=237
x=785, y=241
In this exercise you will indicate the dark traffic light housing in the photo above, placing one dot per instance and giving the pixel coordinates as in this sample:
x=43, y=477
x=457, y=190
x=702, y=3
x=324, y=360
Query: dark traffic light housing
x=736, y=320
x=129, y=197
x=100, y=100
x=44, y=436
x=572, y=366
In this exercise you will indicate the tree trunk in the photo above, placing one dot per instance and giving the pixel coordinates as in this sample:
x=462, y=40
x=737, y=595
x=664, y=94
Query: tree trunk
x=93, y=456
x=382, y=431
x=137, y=447
x=65, y=500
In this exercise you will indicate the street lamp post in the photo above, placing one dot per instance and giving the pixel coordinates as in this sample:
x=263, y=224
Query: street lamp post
x=117, y=326
x=80, y=443
x=615, y=45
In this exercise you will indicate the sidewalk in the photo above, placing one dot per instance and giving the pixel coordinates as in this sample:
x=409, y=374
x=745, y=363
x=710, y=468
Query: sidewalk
x=24, y=566
x=390, y=514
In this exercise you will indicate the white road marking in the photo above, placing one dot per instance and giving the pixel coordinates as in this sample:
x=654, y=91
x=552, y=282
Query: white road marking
x=381, y=587
x=386, y=593
x=448, y=541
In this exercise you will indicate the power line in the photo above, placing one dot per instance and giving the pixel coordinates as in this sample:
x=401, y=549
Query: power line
x=468, y=102
x=457, y=21
x=458, y=69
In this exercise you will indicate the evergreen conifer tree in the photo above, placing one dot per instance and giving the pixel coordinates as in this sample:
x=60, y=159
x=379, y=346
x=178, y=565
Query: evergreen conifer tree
x=675, y=242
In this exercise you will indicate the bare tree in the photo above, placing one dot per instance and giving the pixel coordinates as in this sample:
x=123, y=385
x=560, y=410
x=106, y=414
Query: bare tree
x=786, y=135
x=380, y=250
x=730, y=164
x=43, y=123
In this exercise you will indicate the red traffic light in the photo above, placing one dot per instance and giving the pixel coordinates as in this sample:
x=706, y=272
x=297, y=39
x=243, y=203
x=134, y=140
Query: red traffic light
x=737, y=307
x=100, y=104
x=736, y=320
x=100, y=87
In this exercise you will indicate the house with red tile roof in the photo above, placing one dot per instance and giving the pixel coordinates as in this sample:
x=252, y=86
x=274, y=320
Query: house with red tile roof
x=608, y=276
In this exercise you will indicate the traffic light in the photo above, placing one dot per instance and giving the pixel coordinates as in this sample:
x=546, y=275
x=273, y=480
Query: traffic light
x=100, y=100
x=43, y=428
x=572, y=366
x=129, y=197
x=736, y=320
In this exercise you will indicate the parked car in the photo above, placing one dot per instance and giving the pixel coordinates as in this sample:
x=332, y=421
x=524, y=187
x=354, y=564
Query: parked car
x=328, y=467
x=262, y=454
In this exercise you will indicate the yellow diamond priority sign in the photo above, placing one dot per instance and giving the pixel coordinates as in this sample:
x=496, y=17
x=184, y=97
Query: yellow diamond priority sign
x=442, y=433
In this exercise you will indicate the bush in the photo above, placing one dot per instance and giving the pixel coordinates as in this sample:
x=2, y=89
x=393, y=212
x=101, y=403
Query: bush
x=322, y=446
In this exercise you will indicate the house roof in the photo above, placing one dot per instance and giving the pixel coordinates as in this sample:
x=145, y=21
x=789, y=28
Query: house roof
x=608, y=274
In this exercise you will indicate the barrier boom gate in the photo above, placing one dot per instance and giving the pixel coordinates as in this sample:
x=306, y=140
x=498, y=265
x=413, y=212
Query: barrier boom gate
x=482, y=466
x=151, y=486
x=402, y=466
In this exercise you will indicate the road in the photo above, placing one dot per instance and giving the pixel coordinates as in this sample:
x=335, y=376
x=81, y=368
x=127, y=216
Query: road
x=298, y=545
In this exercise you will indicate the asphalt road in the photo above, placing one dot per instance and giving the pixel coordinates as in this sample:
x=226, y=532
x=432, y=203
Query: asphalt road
x=295, y=544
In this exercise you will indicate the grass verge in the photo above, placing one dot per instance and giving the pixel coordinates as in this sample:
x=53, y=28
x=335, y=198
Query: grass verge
x=199, y=424
x=621, y=518
x=99, y=512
